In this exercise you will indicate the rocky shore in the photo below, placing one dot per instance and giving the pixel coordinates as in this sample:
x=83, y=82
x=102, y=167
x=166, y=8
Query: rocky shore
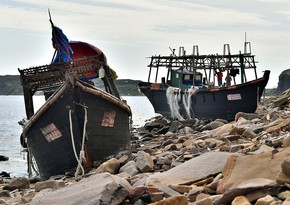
x=243, y=162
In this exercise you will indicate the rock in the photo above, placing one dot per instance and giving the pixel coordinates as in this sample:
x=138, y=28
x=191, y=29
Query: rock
x=174, y=126
x=274, y=141
x=216, y=124
x=146, y=137
x=221, y=131
x=169, y=134
x=4, y=174
x=144, y=161
x=156, y=196
x=151, y=125
x=249, y=134
x=4, y=193
x=202, y=196
x=130, y=168
x=282, y=178
x=284, y=195
x=247, y=116
x=164, y=160
x=263, y=148
x=237, y=130
x=112, y=166
x=283, y=83
x=165, y=189
x=17, y=183
x=52, y=184
x=139, y=179
x=268, y=167
x=34, y=179
x=267, y=200
x=286, y=141
x=137, y=192
x=163, y=130
x=200, y=167
x=186, y=130
x=180, y=200
x=181, y=188
x=280, y=124
x=286, y=202
x=240, y=200
x=206, y=201
x=286, y=167
x=167, y=142
x=101, y=188
x=213, y=143
x=193, y=193
x=3, y=158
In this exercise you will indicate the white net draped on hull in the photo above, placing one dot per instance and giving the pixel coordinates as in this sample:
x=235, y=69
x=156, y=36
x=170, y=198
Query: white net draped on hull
x=174, y=97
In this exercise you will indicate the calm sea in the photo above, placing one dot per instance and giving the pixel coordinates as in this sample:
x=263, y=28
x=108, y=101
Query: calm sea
x=12, y=110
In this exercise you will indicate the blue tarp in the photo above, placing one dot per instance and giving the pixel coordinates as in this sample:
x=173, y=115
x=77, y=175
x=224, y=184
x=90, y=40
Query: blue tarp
x=61, y=44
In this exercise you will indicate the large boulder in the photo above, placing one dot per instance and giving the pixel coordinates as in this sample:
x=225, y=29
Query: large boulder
x=284, y=81
x=101, y=188
x=207, y=164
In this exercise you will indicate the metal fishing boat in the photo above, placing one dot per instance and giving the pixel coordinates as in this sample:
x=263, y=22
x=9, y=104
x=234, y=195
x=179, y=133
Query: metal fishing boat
x=189, y=88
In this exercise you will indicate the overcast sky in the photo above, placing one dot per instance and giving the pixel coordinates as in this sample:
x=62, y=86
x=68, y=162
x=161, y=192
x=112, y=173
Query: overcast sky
x=128, y=31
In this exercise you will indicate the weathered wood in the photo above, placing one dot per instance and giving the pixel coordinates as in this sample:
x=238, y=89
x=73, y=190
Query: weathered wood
x=52, y=76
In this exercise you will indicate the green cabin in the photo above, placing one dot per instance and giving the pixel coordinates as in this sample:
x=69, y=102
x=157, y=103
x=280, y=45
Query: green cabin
x=183, y=79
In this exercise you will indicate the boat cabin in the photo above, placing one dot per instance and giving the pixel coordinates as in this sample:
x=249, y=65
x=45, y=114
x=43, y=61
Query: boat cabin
x=183, y=79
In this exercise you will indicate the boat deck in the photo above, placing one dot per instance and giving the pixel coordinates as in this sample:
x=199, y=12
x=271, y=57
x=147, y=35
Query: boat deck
x=52, y=75
x=49, y=77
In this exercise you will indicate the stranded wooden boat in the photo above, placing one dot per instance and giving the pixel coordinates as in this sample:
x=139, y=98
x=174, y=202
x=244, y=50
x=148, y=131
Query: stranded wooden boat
x=188, y=91
x=79, y=126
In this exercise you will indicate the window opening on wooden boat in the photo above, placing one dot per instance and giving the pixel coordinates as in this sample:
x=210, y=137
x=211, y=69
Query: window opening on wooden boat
x=51, y=132
x=109, y=119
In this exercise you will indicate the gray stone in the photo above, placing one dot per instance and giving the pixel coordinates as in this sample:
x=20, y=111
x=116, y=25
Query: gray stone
x=4, y=193
x=197, y=168
x=285, y=165
x=130, y=168
x=112, y=166
x=216, y=124
x=17, y=183
x=101, y=188
x=265, y=200
x=144, y=161
x=247, y=116
x=249, y=134
x=174, y=126
x=52, y=184
x=166, y=190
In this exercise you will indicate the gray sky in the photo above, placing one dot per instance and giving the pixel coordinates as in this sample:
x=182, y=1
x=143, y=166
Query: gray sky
x=128, y=31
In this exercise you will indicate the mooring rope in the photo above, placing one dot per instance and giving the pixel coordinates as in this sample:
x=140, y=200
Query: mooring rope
x=82, y=152
x=73, y=144
x=81, y=157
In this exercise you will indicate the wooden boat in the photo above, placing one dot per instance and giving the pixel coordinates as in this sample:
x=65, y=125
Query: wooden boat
x=79, y=126
x=185, y=93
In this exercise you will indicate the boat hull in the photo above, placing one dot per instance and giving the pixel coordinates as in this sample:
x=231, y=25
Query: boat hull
x=218, y=103
x=57, y=129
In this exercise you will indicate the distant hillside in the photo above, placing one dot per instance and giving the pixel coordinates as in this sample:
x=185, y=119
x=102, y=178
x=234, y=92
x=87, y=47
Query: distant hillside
x=11, y=85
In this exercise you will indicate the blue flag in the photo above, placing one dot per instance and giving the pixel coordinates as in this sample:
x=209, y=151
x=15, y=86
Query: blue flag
x=61, y=44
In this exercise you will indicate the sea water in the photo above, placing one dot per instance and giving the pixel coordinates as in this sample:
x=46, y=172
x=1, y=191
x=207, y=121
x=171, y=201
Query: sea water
x=12, y=110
